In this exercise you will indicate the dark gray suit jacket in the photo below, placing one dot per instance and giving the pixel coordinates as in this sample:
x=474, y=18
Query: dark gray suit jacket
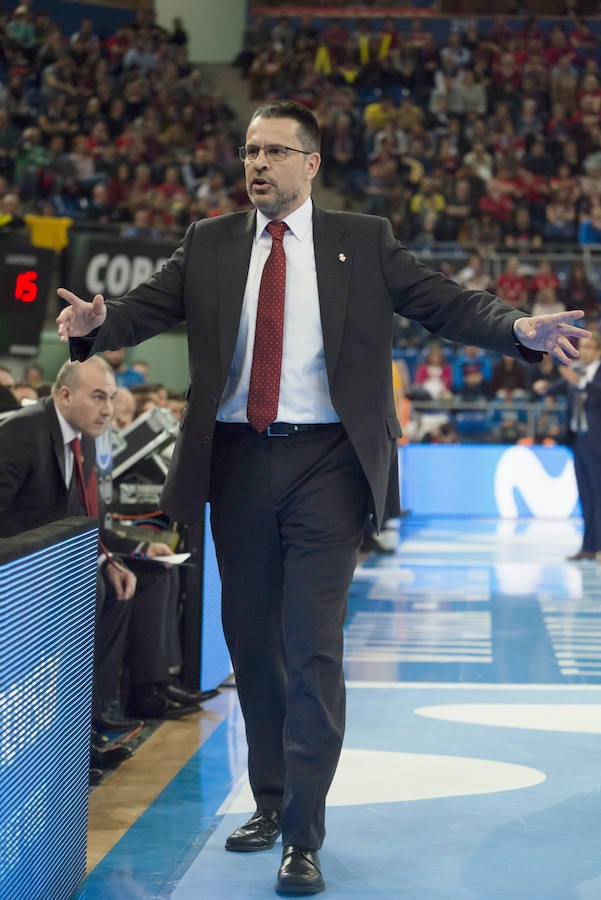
x=364, y=275
x=32, y=470
x=32, y=474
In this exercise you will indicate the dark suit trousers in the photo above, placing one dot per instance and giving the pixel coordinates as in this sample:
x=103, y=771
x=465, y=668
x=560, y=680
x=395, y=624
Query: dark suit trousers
x=112, y=618
x=287, y=515
x=154, y=646
x=587, y=468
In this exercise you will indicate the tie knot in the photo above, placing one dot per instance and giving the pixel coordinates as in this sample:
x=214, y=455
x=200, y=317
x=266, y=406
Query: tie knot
x=277, y=230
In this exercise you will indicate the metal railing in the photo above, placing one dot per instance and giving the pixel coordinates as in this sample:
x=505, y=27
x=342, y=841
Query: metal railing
x=489, y=421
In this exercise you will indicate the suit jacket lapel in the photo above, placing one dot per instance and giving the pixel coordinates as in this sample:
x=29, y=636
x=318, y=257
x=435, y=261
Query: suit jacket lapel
x=333, y=263
x=56, y=435
x=88, y=452
x=233, y=259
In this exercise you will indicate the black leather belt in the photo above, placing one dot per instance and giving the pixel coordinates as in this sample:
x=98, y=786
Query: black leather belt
x=286, y=429
x=282, y=429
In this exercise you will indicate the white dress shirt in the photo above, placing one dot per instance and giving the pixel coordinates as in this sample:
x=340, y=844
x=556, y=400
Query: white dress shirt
x=68, y=435
x=304, y=390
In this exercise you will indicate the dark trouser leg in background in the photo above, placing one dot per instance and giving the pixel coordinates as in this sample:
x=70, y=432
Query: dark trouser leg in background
x=587, y=468
x=112, y=618
x=153, y=623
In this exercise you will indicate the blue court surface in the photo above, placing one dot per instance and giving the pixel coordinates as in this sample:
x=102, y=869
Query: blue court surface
x=472, y=761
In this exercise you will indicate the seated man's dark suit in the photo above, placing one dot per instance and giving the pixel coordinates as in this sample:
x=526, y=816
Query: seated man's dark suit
x=33, y=493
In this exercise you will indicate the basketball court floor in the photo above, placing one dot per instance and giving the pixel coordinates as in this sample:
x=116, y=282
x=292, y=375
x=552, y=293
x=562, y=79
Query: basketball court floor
x=472, y=761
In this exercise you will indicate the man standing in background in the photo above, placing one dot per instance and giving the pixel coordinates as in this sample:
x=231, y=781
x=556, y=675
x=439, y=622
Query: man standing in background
x=581, y=383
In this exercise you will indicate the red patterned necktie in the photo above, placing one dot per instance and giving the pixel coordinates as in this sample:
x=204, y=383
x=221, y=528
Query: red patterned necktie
x=88, y=493
x=264, y=388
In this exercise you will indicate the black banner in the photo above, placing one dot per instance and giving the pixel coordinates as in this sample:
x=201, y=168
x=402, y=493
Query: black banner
x=111, y=265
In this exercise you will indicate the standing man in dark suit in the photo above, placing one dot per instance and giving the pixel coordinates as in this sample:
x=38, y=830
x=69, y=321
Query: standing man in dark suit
x=290, y=494
x=582, y=386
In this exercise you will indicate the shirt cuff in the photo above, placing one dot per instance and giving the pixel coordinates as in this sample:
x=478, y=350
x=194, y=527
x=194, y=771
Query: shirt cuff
x=80, y=348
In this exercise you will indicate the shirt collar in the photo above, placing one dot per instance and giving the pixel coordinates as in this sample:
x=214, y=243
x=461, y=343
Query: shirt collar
x=298, y=221
x=67, y=431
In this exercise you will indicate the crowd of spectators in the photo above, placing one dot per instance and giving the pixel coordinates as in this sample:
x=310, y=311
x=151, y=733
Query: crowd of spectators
x=483, y=132
x=484, y=138
x=121, y=130
x=477, y=138
x=467, y=395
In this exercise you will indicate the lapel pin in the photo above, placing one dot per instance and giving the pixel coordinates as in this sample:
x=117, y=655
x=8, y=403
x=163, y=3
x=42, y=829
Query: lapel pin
x=342, y=257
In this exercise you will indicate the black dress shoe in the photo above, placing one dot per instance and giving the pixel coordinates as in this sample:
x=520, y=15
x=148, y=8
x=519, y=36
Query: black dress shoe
x=185, y=695
x=106, y=758
x=582, y=554
x=259, y=833
x=155, y=704
x=299, y=872
x=104, y=722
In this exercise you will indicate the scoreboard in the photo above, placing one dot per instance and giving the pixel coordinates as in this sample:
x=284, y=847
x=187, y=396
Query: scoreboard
x=25, y=281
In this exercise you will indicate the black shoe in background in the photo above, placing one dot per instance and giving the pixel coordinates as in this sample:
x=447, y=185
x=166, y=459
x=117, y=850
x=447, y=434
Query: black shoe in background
x=182, y=694
x=105, y=722
x=151, y=702
x=107, y=758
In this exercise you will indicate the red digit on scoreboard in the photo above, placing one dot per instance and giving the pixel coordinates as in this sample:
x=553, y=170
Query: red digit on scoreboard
x=26, y=288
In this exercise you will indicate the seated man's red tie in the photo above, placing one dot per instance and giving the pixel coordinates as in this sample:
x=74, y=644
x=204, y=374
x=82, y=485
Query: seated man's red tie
x=264, y=388
x=88, y=493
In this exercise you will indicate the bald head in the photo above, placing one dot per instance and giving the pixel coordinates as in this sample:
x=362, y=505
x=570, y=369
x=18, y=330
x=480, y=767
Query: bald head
x=84, y=392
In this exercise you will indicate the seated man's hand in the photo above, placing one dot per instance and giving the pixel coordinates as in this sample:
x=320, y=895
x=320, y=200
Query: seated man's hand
x=122, y=579
x=158, y=549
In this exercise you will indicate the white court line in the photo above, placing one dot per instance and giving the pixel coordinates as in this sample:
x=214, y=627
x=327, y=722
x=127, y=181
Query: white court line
x=470, y=686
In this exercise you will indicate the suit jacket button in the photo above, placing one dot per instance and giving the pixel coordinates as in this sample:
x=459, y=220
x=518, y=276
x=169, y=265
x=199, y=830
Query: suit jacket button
x=206, y=439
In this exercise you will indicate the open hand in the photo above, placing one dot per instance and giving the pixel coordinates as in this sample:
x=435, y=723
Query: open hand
x=553, y=334
x=80, y=317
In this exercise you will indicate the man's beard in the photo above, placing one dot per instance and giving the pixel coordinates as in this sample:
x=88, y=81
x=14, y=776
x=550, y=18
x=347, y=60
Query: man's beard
x=274, y=204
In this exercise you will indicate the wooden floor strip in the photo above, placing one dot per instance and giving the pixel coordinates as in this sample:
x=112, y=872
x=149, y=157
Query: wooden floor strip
x=124, y=795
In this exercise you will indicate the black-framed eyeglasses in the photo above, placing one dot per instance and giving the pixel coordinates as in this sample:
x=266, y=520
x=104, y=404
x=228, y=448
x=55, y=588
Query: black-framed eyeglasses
x=273, y=152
